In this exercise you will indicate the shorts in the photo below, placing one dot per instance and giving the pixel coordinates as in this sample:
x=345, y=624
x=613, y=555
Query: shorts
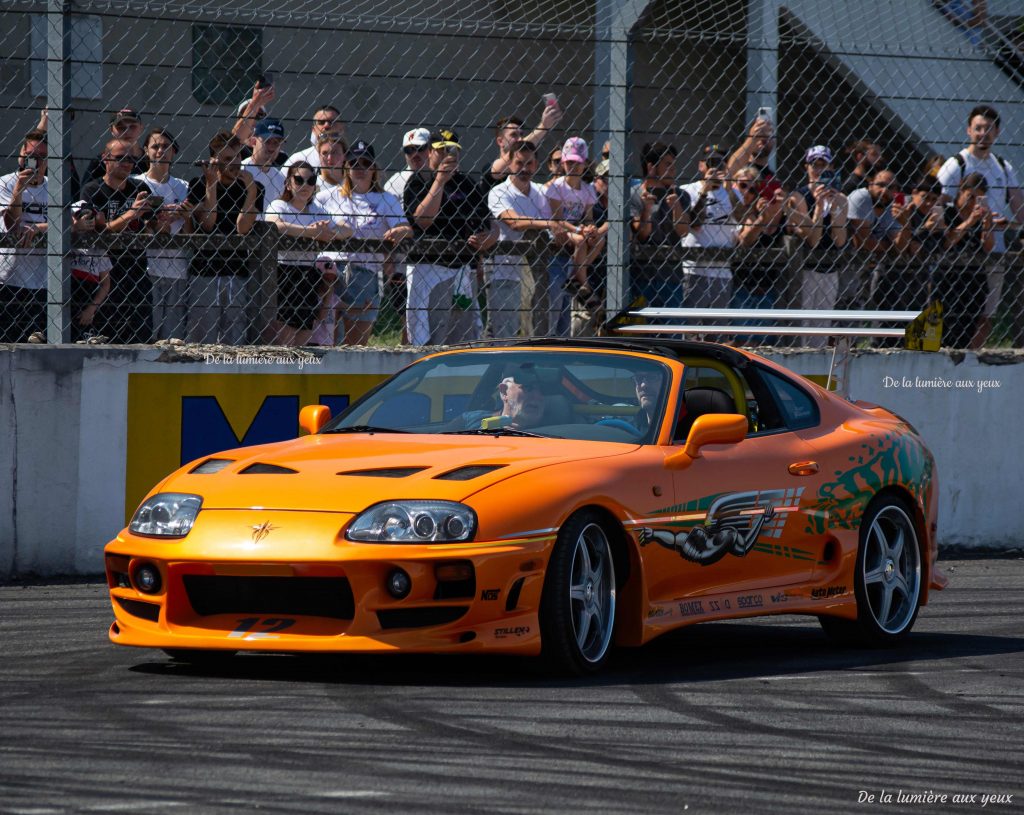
x=361, y=291
x=298, y=296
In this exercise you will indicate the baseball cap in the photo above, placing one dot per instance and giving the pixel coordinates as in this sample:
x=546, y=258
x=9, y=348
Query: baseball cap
x=125, y=115
x=240, y=110
x=816, y=153
x=713, y=151
x=574, y=149
x=360, y=149
x=416, y=137
x=440, y=139
x=268, y=129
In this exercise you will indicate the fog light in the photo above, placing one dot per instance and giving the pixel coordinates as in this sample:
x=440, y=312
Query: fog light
x=399, y=584
x=147, y=578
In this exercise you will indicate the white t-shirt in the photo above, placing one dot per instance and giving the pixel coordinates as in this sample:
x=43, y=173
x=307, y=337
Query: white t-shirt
x=369, y=215
x=1000, y=183
x=396, y=184
x=323, y=188
x=716, y=229
x=309, y=155
x=285, y=211
x=272, y=180
x=25, y=268
x=172, y=263
x=574, y=202
x=532, y=204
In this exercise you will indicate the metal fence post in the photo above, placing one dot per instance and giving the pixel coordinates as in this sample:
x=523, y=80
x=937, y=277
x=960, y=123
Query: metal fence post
x=613, y=63
x=763, y=61
x=58, y=232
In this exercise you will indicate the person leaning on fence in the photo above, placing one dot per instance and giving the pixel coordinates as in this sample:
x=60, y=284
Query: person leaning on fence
x=709, y=285
x=326, y=122
x=225, y=202
x=305, y=277
x=921, y=222
x=508, y=130
x=969, y=238
x=588, y=302
x=658, y=217
x=444, y=204
x=820, y=222
x=123, y=204
x=361, y=206
x=554, y=167
x=331, y=150
x=522, y=212
x=865, y=159
x=267, y=138
x=1004, y=198
x=168, y=267
x=126, y=126
x=22, y=219
x=572, y=202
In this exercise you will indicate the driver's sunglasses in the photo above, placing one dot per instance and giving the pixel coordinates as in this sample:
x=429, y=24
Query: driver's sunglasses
x=412, y=150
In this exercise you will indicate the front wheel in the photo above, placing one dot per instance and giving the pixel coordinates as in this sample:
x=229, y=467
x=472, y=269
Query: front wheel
x=577, y=610
x=887, y=578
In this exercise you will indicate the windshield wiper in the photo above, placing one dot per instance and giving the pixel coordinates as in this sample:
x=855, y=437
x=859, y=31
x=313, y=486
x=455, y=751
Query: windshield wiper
x=497, y=431
x=365, y=428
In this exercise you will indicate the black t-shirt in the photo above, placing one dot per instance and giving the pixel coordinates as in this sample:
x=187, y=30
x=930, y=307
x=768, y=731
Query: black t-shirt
x=663, y=231
x=129, y=265
x=463, y=212
x=230, y=202
x=97, y=168
x=487, y=181
x=971, y=245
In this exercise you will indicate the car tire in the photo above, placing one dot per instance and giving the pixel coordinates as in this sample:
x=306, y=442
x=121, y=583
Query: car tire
x=577, y=608
x=887, y=578
x=199, y=656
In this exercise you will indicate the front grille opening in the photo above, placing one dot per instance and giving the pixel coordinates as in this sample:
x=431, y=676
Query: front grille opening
x=291, y=596
x=211, y=465
x=147, y=611
x=419, y=617
x=513, y=594
x=267, y=469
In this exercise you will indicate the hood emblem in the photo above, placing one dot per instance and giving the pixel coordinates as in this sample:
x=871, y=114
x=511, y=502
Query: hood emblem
x=260, y=531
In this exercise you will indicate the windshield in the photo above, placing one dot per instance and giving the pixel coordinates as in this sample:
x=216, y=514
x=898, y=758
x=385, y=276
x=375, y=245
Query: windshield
x=555, y=394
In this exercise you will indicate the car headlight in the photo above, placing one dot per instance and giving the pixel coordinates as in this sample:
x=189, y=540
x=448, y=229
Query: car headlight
x=166, y=515
x=414, y=522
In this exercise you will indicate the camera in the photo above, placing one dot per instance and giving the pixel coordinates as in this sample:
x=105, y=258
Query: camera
x=830, y=178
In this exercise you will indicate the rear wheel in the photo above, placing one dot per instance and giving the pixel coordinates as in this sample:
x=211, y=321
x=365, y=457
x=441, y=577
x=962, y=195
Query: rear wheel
x=577, y=613
x=887, y=579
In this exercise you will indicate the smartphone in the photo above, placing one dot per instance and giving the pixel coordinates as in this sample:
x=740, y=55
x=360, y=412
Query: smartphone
x=550, y=100
x=830, y=178
x=899, y=199
x=32, y=163
x=765, y=114
x=156, y=201
x=265, y=80
x=981, y=201
x=451, y=151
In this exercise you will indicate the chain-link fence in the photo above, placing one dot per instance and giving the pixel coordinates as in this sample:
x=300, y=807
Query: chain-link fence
x=324, y=173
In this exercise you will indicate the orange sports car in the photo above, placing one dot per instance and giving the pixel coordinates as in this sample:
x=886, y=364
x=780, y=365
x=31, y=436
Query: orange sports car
x=549, y=498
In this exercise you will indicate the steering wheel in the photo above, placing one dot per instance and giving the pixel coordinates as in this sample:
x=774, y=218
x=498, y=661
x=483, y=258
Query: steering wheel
x=619, y=424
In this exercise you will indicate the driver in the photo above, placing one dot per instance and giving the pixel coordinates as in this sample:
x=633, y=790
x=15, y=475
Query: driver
x=648, y=391
x=522, y=401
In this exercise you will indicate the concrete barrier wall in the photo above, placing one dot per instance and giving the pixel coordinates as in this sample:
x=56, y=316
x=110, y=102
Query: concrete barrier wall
x=85, y=431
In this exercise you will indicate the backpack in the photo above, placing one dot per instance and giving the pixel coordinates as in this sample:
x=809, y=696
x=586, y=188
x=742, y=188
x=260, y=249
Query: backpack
x=1002, y=163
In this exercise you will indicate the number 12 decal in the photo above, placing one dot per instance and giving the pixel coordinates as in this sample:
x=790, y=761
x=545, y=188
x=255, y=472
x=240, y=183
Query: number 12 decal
x=269, y=626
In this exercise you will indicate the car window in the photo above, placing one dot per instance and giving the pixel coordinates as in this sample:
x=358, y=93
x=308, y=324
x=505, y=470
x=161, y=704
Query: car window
x=797, y=407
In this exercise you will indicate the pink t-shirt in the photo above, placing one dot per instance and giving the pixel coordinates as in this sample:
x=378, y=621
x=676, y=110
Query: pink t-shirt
x=574, y=202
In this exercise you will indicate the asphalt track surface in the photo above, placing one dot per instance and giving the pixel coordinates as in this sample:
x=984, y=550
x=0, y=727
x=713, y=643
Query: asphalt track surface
x=741, y=717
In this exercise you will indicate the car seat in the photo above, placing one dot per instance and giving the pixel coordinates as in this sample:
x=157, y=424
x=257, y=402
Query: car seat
x=701, y=401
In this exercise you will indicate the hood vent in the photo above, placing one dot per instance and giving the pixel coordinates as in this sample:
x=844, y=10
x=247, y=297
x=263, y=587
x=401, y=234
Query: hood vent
x=211, y=465
x=386, y=472
x=267, y=469
x=469, y=472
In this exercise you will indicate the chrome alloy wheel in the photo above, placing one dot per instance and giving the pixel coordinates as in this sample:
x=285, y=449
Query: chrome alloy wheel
x=892, y=569
x=592, y=592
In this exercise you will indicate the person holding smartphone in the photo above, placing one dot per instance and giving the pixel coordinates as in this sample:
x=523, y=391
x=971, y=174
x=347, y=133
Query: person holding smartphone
x=23, y=268
x=122, y=204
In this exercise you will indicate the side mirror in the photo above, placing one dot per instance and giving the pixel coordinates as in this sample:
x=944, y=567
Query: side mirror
x=711, y=428
x=313, y=417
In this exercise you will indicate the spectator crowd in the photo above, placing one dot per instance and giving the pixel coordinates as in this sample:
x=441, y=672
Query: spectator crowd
x=508, y=250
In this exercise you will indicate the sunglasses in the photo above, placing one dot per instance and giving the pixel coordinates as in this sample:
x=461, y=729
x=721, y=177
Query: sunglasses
x=308, y=180
x=412, y=149
x=744, y=185
x=121, y=159
x=324, y=122
x=360, y=164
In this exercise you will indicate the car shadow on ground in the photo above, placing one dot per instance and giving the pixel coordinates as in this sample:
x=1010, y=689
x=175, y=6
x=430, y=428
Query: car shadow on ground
x=704, y=653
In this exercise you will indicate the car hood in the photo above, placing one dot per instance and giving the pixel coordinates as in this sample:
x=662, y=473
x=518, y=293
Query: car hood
x=347, y=473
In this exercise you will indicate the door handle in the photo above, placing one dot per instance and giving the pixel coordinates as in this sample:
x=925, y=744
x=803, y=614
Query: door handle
x=803, y=468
